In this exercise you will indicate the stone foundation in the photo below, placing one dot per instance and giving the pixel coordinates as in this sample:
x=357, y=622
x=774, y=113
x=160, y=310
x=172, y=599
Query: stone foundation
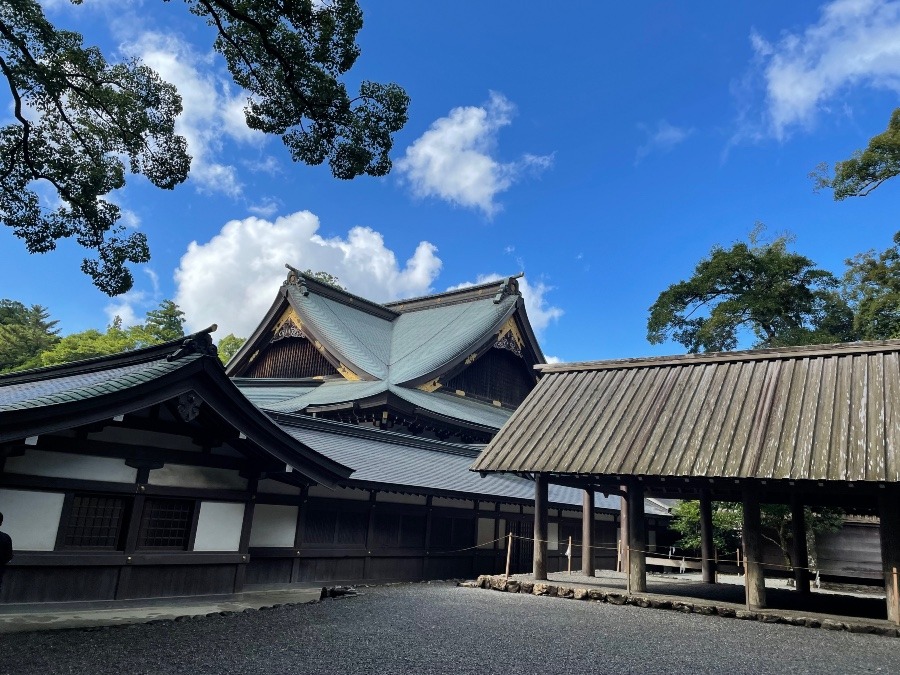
x=501, y=583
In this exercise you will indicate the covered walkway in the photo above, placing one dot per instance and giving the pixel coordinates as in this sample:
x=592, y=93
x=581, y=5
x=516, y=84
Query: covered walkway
x=802, y=426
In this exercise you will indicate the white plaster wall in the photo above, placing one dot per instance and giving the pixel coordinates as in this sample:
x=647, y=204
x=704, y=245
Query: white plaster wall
x=528, y=510
x=485, y=530
x=552, y=536
x=68, y=465
x=393, y=498
x=338, y=493
x=273, y=525
x=511, y=508
x=219, y=526
x=31, y=519
x=270, y=486
x=453, y=503
x=183, y=475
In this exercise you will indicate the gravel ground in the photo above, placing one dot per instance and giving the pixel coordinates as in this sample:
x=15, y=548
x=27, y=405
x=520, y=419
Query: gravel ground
x=439, y=628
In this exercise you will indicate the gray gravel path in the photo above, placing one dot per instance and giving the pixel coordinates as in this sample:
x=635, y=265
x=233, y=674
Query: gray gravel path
x=439, y=628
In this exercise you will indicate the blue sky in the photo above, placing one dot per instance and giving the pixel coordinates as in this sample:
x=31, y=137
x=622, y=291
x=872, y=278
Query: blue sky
x=602, y=149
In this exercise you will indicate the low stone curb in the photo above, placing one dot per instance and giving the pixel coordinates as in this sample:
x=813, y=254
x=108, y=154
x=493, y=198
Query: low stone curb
x=502, y=584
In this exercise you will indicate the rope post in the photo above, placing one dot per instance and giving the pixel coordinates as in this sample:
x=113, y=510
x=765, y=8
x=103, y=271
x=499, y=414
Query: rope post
x=569, y=554
x=508, y=553
x=896, y=596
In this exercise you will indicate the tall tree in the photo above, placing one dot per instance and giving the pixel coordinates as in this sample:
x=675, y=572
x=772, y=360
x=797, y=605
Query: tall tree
x=761, y=288
x=79, y=120
x=326, y=277
x=90, y=343
x=872, y=284
x=866, y=169
x=164, y=323
x=24, y=333
x=228, y=346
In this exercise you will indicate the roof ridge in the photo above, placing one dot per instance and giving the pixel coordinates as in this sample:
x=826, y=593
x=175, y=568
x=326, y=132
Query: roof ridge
x=498, y=288
x=199, y=342
x=769, y=353
x=306, y=284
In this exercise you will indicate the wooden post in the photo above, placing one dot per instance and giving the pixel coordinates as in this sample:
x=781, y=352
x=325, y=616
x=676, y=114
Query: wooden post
x=569, y=554
x=800, y=554
x=508, y=553
x=587, y=534
x=889, y=529
x=637, y=540
x=707, y=545
x=755, y=577
x=623, y=530
x=539, y=570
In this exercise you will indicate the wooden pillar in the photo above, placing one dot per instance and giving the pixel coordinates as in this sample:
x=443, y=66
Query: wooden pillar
x=240, y=574
x=587, y=534
x=889, y=514
x=755, y=581
x=637, y=539
x=297, y=571
x=540, y=527
x=707, y=544
x=800, y=555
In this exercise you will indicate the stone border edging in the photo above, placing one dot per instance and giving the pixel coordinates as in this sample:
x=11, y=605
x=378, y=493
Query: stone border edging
x=502, y=584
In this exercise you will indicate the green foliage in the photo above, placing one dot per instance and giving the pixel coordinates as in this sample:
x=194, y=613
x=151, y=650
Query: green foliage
x=79, y=119
x=165, y=323
x=289, y=56
x=90, y=343
x=872, y=284
x=228, y=346
x=25, y=332
x=726, y=517
x=866, y=169
x=779, y=296
x=325, y=277
x=777, y=526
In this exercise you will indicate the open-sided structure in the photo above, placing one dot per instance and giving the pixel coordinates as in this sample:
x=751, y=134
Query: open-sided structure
x=806, y=425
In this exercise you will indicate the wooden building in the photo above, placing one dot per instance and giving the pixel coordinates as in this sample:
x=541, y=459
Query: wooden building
x=338, y=451
x=136, y=475
x=813, y=425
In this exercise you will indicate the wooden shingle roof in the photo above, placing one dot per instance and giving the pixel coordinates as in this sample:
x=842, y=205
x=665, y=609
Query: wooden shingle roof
x=825, y=413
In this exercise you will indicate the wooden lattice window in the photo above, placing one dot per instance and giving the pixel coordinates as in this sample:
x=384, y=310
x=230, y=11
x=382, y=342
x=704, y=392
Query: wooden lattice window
x=94, y=522
x=166, y=524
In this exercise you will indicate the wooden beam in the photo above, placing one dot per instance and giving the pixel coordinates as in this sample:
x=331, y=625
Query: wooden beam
x=756, y=580
x=707, y=544
x=540, y=527
x=889, y=513
x=587, y=533
x=637, y=539
x=800, y=555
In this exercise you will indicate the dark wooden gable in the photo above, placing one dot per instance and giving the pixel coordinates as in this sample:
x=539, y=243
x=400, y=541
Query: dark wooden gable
x=501, y=373
x=290, y=354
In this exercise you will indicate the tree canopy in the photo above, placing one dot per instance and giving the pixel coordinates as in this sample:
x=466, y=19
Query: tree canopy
x=866, y=169
x=872, y=285
x=779, y=296
x=228, y=346
x=79, y=120
x=25, y=332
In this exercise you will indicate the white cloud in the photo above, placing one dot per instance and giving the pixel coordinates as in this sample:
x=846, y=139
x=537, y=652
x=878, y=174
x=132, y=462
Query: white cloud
x=454, y=159
x=661, y=139
x=854, y=43
x=243, y=267
x=552, y=359
x=266, y=208
x=211, y=109
x=540, y=312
